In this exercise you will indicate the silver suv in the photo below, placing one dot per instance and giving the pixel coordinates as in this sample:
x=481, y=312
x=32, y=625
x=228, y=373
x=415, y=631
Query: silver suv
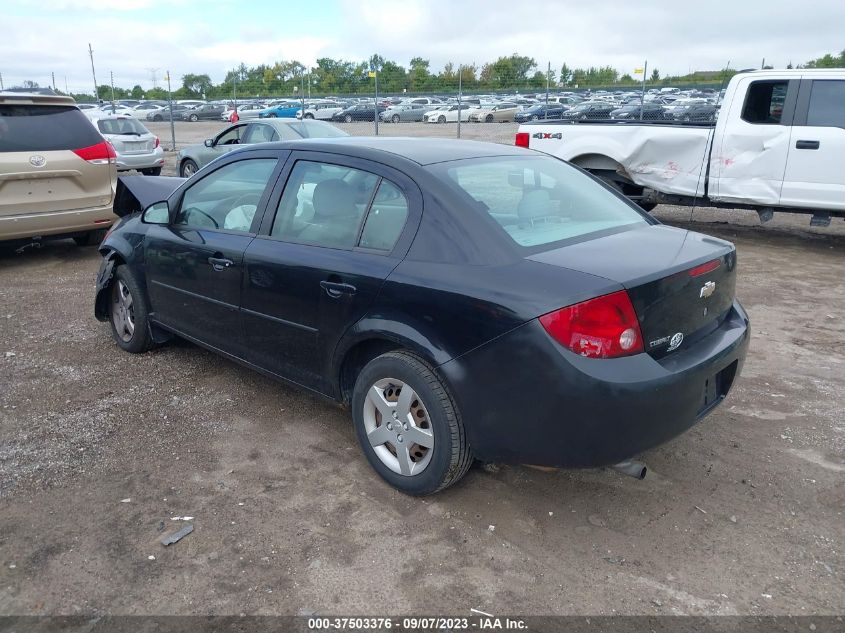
x=57, y=172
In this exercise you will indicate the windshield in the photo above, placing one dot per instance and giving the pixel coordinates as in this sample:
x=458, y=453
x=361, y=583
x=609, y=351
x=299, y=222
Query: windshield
x=316, y=129
x=538, y=200
x=123, y=126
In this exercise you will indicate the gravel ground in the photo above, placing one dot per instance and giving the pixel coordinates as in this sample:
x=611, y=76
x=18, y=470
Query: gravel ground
x=101, y=451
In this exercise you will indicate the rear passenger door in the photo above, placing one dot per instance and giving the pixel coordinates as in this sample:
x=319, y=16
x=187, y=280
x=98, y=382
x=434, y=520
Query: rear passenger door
x=815, y=177
x=330, y=237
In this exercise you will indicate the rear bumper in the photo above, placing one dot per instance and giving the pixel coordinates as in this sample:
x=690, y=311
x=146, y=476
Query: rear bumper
x=525, y=399
x=140, y=161
x=56, y=223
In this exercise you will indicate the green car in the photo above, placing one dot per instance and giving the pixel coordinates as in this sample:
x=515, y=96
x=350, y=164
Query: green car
x=194, y=157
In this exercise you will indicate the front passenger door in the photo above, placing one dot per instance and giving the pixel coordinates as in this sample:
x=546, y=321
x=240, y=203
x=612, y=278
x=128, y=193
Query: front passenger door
x=194, y=265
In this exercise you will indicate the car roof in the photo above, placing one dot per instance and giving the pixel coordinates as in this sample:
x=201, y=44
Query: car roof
x=27, y=98
x=423, y=151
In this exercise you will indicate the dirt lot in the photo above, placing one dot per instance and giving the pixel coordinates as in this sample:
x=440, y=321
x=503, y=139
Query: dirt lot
x=100, y=450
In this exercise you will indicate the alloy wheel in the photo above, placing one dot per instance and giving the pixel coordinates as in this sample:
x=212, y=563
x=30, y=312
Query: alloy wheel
x=123, y=312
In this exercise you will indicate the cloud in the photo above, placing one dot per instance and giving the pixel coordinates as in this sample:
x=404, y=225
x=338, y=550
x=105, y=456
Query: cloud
x=133, y=37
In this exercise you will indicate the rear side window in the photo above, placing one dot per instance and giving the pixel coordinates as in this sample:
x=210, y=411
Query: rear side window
x=827, y=104
x=37, y=128
x=764, y=102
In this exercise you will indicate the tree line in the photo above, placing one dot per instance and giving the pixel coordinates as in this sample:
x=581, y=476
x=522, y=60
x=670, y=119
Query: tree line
x=343, y=77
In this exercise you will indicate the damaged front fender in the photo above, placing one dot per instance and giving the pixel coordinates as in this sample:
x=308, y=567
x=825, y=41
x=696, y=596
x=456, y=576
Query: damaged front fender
x=103, y=283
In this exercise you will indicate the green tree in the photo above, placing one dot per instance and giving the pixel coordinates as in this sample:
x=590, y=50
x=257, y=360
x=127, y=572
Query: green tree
x=565, y=75
x=137, y=92
x=196, y=85
x=655, y=75
x=827, y=61
x=420, y=78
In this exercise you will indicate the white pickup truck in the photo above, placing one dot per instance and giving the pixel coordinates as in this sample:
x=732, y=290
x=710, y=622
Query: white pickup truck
x=778, y=144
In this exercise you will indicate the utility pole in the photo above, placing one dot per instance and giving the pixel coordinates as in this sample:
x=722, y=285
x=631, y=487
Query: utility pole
x=1, y=81
x=170, y=107
x=548, y=79
x=111, y=79
x=460, y=89
x=642, y=97
x=67, y=92
x=93, y=73
x=375, y=105
x=53, y=77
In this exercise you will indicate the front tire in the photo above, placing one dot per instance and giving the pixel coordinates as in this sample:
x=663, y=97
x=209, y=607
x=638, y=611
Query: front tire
x=309, y=116
x=193, y=118
x=489, y=118
x=188, y=168
x=408, y=426
x=348, y=118
x=395, y=118
x=441, y=119
x=128, y=313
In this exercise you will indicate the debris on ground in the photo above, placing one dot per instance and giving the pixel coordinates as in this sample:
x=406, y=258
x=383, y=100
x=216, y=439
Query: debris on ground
x=596, y=520
x=733, y=518
x=491, y=528
x=702, y=510
x=181, y=518
x=177, y=536
x=127, y=500
x=151, y=557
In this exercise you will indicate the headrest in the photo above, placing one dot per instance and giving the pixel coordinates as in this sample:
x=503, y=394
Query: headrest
x=333, y=198
x=534, y=203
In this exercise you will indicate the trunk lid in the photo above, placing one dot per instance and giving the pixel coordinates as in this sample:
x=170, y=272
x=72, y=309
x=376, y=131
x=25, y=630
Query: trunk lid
x=676, y=298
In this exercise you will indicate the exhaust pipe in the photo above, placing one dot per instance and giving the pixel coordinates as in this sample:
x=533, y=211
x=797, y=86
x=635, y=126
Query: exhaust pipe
x=632, y=468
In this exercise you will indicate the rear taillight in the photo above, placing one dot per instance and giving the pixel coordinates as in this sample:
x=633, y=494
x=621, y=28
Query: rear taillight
x=604, y=327
x=522, y=139
x=99, y=154
x=703, y=269
x=157, y=143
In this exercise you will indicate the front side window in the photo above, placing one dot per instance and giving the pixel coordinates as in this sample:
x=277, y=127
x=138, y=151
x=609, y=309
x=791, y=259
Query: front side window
x=538, y=200
x=827, y=103
x=764, y=102
x=231, y=136
x=227, y=198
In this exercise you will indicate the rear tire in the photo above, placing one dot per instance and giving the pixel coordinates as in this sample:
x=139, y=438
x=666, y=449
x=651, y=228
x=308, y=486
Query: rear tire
x=129, y=313
x=427, y=413
x=91, y=238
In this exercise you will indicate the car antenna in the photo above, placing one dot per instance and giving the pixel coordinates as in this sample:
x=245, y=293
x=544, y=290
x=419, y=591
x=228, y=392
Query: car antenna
x=710, y=138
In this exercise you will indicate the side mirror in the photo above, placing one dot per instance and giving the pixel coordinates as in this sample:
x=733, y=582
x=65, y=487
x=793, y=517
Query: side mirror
x=208, y=142
x=158, y=213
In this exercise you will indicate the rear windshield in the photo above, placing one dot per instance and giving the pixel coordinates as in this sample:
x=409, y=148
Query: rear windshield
x=539, y=200
x=37, y=128
x=123, y=125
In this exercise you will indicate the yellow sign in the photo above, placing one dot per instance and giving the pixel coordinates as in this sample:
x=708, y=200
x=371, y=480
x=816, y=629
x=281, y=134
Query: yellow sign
x=371, y=74
x=638, y=71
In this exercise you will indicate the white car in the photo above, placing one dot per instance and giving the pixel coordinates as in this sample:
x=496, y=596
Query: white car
x=245, y=111
x=108, y=108
x=449, y=114
x=323, y=111
x=136, y=147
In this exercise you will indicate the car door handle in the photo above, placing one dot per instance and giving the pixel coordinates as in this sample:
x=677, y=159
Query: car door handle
x=807, y=144
x=336, y=289
x=220, y=263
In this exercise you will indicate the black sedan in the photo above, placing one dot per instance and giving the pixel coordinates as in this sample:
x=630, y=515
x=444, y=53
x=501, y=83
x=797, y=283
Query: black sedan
x=540, y=111
x=589, y=111
x=359, y=112
x=697, y=113
x=466, y=300
x=644, y=112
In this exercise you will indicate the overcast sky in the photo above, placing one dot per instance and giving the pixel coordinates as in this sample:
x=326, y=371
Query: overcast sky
x=132, y=37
